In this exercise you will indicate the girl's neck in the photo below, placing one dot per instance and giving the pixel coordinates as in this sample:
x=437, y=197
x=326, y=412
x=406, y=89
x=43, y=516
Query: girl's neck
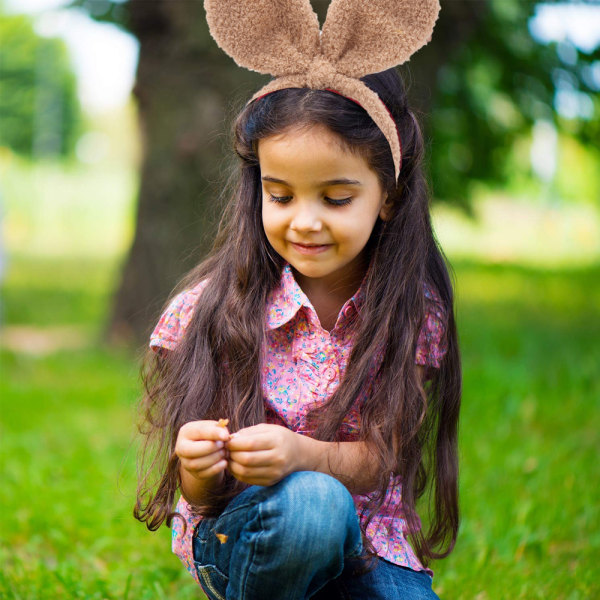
x=328, y=294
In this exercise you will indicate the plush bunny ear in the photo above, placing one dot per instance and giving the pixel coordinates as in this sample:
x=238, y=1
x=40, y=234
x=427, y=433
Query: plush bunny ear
x=368, y=36
x=268, y=36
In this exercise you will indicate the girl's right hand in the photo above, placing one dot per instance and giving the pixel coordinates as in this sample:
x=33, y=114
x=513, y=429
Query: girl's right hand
x=200, y=448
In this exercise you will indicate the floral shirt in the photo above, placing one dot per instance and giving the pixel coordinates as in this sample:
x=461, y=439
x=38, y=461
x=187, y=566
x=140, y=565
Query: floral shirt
x=303, y=366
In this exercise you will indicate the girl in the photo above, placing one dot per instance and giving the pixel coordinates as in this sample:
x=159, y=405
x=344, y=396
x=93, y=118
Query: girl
x=304, y=388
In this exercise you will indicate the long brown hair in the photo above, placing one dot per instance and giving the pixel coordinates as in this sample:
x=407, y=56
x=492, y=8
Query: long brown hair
x=411, y=425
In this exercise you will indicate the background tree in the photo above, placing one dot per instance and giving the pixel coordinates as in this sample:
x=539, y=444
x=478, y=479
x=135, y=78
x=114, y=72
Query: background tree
x=482, y=83
x=39, y=108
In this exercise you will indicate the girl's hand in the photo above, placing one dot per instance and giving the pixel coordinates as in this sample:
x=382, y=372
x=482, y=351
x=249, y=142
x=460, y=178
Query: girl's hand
x=200, y=447
x=264, y=454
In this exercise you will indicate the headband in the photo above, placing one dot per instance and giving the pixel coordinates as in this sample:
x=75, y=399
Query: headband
x=359, y=37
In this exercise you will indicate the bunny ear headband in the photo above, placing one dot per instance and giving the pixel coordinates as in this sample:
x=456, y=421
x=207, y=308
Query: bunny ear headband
x=282, y=38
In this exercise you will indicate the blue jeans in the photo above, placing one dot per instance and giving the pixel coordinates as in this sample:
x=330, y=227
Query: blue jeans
x=297, y=539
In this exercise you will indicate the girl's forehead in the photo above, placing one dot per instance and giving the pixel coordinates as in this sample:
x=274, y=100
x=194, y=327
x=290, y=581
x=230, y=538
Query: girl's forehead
x=306, y=132
x=309, y=153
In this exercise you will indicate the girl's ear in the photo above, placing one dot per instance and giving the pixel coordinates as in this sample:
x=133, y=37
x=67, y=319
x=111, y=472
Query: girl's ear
x=385, y=212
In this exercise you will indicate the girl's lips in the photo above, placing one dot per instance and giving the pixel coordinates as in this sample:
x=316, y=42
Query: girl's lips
x=302, y=249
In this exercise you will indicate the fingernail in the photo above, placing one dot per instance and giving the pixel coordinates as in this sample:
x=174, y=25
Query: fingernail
x=220, y=444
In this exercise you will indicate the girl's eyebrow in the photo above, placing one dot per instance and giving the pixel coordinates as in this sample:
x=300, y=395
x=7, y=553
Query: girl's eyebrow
x=329, y=182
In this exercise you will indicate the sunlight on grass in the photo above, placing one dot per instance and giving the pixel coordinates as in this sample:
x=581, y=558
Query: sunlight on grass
x=55, y=210
x=512, y=230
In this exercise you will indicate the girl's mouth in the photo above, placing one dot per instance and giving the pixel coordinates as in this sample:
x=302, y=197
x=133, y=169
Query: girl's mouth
x=310, y=249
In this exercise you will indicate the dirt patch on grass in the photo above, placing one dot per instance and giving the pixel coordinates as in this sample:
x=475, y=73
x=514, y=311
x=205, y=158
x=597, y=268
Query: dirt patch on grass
x=40, y=341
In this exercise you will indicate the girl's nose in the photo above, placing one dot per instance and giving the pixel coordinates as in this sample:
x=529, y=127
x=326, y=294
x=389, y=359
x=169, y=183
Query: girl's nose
x=306, y=218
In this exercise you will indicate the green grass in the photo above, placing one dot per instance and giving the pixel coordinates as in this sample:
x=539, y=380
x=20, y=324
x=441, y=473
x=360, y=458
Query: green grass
x=529, y=435
x=68, y=484
x=45, y=292
x=528, y=443
x=68, y=451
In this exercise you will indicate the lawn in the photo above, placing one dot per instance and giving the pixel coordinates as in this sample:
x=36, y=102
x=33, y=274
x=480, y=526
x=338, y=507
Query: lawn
x=528, y=440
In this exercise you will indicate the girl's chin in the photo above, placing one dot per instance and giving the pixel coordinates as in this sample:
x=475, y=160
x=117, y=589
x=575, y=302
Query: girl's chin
x=312, y=271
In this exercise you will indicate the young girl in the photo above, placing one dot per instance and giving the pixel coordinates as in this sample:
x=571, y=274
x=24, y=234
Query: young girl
x=304, y=388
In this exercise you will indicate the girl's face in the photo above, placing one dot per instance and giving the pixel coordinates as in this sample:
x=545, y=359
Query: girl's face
x=320, y=203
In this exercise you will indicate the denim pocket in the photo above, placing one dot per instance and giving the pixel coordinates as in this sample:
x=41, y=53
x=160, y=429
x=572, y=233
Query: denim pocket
x=212, y=581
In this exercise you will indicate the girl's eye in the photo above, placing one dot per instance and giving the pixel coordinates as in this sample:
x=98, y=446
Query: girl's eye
x=340, y=202
x=332, y=201
x=280, y=199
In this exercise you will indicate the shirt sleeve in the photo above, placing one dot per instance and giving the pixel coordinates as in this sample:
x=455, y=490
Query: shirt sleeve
x=173, y=322
x=182, y=536
x=431, y=345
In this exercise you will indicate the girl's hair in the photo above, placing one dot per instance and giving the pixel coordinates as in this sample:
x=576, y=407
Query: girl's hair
x=215, y=370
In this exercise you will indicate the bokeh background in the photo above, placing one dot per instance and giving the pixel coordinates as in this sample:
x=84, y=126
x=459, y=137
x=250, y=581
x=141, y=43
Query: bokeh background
x=114, y=150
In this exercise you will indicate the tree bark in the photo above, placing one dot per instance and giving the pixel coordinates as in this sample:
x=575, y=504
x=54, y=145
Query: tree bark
x=186, y=90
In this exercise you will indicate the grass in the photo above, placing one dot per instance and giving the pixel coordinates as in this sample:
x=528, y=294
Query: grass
x=528, y=443
x=68, y=453
x=529, y=434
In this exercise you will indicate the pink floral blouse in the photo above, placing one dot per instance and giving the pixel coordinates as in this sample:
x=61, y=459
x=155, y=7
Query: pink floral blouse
x=303, y=366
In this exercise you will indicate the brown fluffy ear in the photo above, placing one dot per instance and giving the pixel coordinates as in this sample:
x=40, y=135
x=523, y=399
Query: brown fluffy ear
x=369, y=36
x=268, y=36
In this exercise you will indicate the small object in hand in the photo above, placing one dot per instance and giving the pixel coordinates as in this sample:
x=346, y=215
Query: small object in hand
x=223, y=423
x=222, y=537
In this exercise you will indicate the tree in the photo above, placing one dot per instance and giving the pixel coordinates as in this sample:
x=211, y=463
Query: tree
x=39, y=108
x=481, y=82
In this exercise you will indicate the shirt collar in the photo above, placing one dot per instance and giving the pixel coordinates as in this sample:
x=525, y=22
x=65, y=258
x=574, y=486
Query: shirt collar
x=287, y=298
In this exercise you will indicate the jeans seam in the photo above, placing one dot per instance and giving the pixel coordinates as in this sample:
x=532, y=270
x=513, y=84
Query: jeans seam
x=252, y=553
x=231, y=511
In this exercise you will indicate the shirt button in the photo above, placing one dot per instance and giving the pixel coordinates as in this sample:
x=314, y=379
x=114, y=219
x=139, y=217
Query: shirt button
x=330, y=373
x=349, y=310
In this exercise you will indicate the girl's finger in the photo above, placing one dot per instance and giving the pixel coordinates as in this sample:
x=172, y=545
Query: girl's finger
x=191, y=449
x=204, y=430
x=200, y=464
x=212, y=470
x=244, y=473
x=262, y=458
x=250, y=443
x=254, y=429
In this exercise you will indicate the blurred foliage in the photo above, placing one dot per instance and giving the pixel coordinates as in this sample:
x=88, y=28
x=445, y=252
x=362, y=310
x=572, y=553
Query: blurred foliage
x=39, y=110
x=494, y=88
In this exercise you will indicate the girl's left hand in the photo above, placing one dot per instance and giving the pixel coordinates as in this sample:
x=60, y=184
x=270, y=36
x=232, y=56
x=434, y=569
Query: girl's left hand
x=264, y=454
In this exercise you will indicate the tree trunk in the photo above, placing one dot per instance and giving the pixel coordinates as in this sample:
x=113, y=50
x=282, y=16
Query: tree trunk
x=185, y=89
